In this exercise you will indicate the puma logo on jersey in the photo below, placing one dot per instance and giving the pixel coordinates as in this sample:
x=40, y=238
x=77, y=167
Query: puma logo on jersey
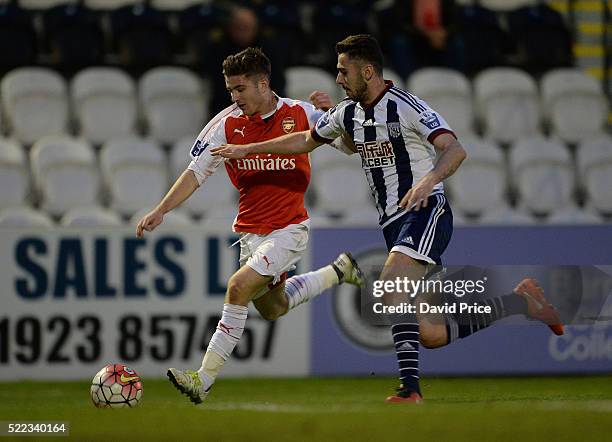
x=268, y=263
x=240, y=131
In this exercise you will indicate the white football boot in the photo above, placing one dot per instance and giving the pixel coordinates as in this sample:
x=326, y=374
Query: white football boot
x=189, y=383
x=348, y=270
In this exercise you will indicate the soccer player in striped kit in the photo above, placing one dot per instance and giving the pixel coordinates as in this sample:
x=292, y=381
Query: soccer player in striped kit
x=397, y=136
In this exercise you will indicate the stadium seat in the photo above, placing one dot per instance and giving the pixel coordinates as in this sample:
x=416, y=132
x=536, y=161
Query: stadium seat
x=14, y=175
x=141, y=36
x=134, y=172
x=173, y=5
x=173, y=103
x=542, y=38
x=109, y=5
x=390, y=74
x=38, y=5
x=335, y=199
x=506, y=215
x=302, y=80
x=93, y=216
x=480, y=183
x=217, y=192
x=506, y=5
x=173, y=219
x=595, y=172
x=23, y=217
x=483, y=40
x=35, y=103
x=507, y=104
x=366, y=216
x=574, y=104
x=573, y=215
x=104, y=100
x=448, y=92
x=223, y=217
x=18, y=42
x=73, y=37
x=542, y=174
x=65, y=173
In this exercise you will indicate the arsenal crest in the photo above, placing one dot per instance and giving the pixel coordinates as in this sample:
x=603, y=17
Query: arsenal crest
x=288, y=124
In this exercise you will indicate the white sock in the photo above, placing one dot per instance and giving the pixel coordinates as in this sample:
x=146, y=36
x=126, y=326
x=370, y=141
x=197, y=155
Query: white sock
x=302, y=288
x=228, y=333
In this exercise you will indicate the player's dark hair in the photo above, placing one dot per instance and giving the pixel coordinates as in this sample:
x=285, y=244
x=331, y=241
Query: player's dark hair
x=363, y=47
x=249, y=62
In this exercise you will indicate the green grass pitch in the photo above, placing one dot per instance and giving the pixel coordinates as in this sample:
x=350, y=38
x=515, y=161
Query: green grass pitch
x=331, y=409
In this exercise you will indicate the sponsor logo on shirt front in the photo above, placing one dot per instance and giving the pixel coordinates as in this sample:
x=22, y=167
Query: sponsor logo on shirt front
x=258, y=163
x=376, y=154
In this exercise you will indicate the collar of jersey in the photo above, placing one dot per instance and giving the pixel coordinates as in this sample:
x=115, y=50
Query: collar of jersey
x=388, y=85
x=257, y=117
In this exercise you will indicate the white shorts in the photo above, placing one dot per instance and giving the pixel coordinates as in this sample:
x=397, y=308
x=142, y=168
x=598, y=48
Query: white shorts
x=276, y=252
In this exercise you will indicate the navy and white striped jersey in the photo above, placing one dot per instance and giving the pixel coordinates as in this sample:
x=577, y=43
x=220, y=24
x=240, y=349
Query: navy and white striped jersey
x=394, y=138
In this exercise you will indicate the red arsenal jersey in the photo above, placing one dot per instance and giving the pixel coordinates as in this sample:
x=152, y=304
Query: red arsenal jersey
x=271, y=186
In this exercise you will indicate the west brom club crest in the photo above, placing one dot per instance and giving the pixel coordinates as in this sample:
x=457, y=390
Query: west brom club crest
x=394, y=129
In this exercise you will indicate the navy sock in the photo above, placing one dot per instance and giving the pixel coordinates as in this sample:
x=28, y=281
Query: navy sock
x=460, y=325
x=406, y=340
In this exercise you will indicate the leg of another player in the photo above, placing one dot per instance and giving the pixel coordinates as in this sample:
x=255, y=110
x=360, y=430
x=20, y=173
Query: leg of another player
x=302, y=288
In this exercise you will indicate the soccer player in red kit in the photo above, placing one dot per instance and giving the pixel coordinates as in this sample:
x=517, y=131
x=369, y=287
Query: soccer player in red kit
x=272, y=220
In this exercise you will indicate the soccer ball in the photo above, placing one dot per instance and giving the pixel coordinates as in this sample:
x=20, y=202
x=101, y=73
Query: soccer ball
x=116, y=386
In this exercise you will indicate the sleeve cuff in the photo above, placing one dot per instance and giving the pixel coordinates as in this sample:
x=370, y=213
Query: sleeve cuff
x=436, y=133
x=315, y=136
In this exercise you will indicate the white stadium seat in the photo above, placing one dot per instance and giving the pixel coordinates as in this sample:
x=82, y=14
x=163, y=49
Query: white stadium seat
x=172, y=219
x=43, y=4
x=23, y=217
x=302, y=80
x=595, y=171
x=390, y=74
x=574, y=103
x=93, y=216
x=366, y=216
x=134, y=172
x=223, y=217
x=543, y=175
x=480, y=183
x=173, y=5
x=35, y=103
x=172, y=100
x=14, y=175
x=447, y=92
x=573, y=215
x=352, y=192
x=506, y=5
x=65, y=173
x=104, y=101
x=506, y=215
x=507, y=104
x=110, y=4
x=217, y=192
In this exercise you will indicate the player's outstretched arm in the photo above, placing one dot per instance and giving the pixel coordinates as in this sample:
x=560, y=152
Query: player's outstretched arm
x=298, y=142
x=182, y=189
x=451, y=157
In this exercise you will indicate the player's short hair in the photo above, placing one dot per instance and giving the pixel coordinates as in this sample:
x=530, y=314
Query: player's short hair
x=363, y=47
x=249, y=62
